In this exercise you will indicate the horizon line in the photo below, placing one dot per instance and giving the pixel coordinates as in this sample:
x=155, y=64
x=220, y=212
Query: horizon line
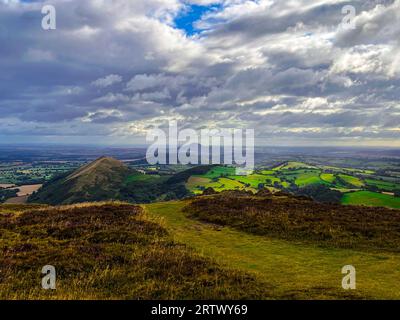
x=95, y=145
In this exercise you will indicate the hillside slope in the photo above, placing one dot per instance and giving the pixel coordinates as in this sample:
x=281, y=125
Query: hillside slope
x=109, y=179
x=292, y=218
x=304, y=261
x=96, y=181
x=108, y=251
x=212, y=247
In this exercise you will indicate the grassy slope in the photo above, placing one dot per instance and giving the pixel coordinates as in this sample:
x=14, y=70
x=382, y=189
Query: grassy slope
x=195, y=183
x=300, y=219
x=140, y=177
x=107, y=251
x=295, y=270
x=368, y=198
x=303, y=177
x=225, y=184
x=96, y=181
x=308, y=178
x=328, y=177
x=356, y=182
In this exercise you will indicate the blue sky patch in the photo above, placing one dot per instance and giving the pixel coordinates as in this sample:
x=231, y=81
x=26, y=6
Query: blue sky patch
x=186, y=19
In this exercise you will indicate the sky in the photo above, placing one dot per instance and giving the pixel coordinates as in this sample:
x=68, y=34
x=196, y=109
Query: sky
x=112, y=70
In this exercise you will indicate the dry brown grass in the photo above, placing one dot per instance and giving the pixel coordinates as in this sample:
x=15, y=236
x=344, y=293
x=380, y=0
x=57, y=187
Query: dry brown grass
x=107, y=251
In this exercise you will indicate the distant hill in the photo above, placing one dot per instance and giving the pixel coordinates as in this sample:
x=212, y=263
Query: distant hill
x=96, y=181
x=109, y=179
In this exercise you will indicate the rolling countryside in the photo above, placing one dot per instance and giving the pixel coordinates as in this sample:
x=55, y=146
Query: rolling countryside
x=124, y=231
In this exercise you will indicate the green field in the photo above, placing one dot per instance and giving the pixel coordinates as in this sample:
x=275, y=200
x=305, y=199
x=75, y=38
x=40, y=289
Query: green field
x=255, y=179
x=302, y=175
x=328, y=177
x=347, y=170
x=22, y=174
x=356, y=182
x=374, y=199
x=306, y=179
x=219, y=171
x=383, y=185
x=195, y=184
x=225, y=184
x=268, y=172
x=294, y=165
x=295, y=271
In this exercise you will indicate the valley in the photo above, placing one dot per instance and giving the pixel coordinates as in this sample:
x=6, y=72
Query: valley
x=351, y=178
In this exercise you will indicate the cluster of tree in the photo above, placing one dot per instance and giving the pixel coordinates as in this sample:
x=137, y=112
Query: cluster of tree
x=320, y=193
x=185, y=175
x=6, y=194
x=383, y=173
x=55, y=191
x=152, y=190
x=372, y=188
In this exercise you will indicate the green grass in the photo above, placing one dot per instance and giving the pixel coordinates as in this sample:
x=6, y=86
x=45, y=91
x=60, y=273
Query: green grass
x=368, y=198
x=255, y=179
x=225, y=184
x=268, y=172
x=294, y=165
x=304, y=177
x=219, y=171
x=285, y=184
x=307, y=179
x=345, y=190
x=295, y=271
x=383, y=185
x=352, y=180
x=328, y=177
x=195, y=183
x=140, y=177
x=230, y=182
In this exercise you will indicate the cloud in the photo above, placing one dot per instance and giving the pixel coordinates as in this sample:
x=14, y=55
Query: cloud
x=285, y=68
x=107, y=81
x=143, y=81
